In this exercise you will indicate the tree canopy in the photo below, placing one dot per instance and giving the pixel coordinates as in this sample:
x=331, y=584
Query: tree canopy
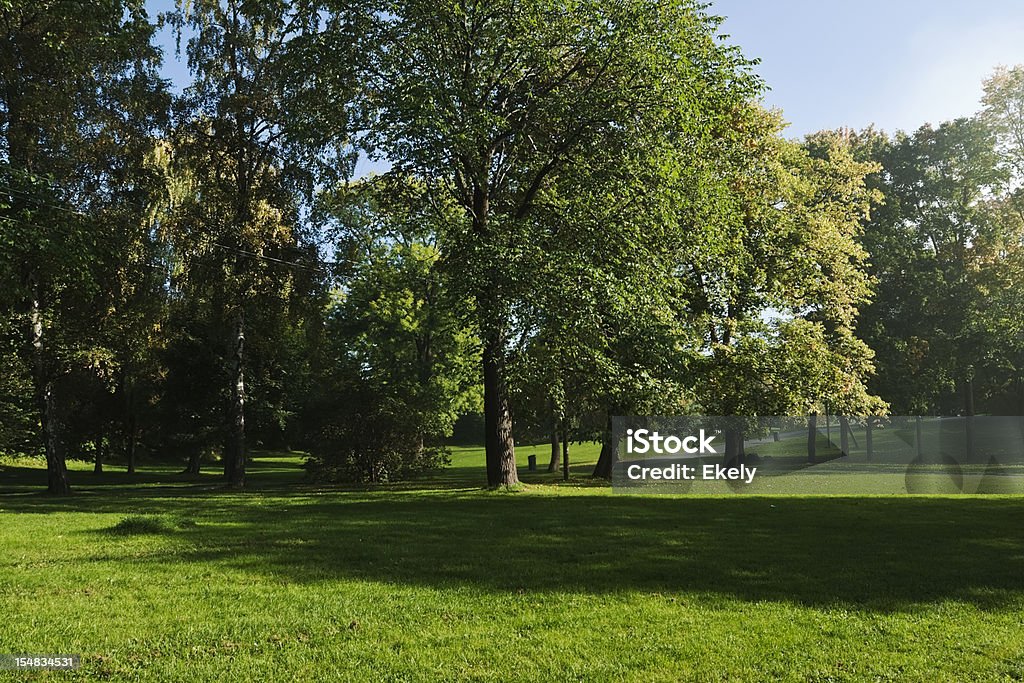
x=586, y=211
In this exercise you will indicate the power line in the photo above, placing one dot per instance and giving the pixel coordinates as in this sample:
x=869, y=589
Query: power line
x=321, y=265
x=40, y=203
x=25, y=196
x=21, y=194
x=40, y=227
x=24, y=222
x=272, y=259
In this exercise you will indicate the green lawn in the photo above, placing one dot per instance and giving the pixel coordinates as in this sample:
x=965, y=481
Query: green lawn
x=440, y=580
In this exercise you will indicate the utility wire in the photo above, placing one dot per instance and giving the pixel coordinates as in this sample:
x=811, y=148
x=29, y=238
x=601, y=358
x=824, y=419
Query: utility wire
x=295, y=264
x=322, y=265
x=21, y=194
x=40, y=227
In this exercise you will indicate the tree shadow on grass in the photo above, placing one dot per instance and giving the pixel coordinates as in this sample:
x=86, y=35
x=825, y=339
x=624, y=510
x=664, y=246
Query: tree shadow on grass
x=878, y=554
x=266, y=474
x=881, y=554
x=22, y=480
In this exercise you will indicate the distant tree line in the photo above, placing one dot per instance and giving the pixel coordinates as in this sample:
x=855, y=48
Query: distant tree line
x=586, y=212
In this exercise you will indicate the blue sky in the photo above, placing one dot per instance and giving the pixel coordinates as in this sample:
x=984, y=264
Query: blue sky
x=895, y=63
x=831, y=63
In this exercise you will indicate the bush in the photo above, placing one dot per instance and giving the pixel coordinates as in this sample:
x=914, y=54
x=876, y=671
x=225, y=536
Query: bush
x=374, y=441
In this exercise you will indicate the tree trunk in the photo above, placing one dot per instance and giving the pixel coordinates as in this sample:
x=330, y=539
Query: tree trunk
x=565, y=453
x=969, y=413
x=236, y=455
x=553, y=465
x=812, y=438
x=844, y=434
x=56, y=468
x=869, y=437
x=733, y=447
x=229, y=459
x=131, y=445
x=606, y=461
x=20, y=138
x=499, y=443
x=131, y=425
x=194, y=461
x=97, y=467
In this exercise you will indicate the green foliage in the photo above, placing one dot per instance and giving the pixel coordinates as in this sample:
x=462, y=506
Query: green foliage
x=587, y=200
x=508, y=109
x=17, y=419
x=188, y=400
x=80, y=102
x=245, y=159
x=400, y=362
x=373, y=437
x=937, y=246
x=1004, y=113
x=999, y=322
x=774, y=286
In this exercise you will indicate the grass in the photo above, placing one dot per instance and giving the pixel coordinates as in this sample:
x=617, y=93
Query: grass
x=150, y=524
x=441, y=580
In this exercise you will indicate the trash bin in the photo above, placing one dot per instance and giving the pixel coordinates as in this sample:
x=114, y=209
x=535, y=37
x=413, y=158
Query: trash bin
x=533, y=462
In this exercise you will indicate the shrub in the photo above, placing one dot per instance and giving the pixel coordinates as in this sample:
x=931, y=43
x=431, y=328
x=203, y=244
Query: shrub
x=374, y=439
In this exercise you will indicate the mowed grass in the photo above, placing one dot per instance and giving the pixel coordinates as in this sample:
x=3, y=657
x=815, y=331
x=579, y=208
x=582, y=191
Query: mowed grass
x=159, y=578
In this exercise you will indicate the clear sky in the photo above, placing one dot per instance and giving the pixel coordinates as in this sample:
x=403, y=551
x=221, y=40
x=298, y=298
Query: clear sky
x=831, y=63
x=895, y=63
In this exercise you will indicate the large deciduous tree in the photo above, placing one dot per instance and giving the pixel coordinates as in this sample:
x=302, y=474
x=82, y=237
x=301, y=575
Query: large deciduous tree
x=257, y=142
x=1004, y=113
x=79, y=102
x=491, y=102
x=400, y=355
x=775, y=282
x=931, y=247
